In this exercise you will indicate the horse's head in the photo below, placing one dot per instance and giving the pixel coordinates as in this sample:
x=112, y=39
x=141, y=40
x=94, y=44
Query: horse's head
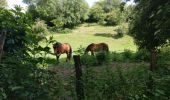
x=56, y=45
x=86, y=51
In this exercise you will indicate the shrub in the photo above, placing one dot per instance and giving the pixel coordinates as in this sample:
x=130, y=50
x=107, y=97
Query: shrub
x=58, y=23
x=113, y=17
x=99, y=59
x=22, y=80
x=88, y=60
x=117, y=56
x=40, y=27
x=121, y=30
x=163, y=58
x=102, y=22
x=125, y=56
x=128, y=55
x=80, y=50
x=96, y=14
x=117, y=84
x=125, y=83
x=103, y=57
x=142, y=55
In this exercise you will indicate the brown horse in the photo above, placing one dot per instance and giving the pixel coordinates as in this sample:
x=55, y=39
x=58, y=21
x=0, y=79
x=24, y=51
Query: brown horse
x=96, y=47
x=60, y=48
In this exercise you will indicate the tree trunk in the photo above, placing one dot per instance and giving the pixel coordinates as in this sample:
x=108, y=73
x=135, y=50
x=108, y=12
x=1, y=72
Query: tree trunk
x=2, y=42
x=150, y=84
x=153, y=59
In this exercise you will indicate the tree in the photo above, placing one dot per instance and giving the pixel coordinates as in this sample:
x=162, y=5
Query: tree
x=151, y=25
x=109, y=5
x=62, y=13
x=2, y=41
x=96, y=13
x=113, y=17
x=15, y=23
x=3, y=3
x=109, y=12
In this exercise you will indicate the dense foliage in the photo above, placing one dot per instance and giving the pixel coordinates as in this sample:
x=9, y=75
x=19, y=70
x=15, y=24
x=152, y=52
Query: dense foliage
x=59, y=13
x=16, y=24
x=3, y=3
x=110, y=12
x=124, y=83
x=24, y=72
x=150, y=27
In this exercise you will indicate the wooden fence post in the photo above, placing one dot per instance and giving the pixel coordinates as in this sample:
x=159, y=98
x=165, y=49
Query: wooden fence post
x=79, y=82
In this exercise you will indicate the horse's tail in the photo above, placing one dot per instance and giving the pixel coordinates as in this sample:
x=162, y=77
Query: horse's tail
x=70, y=53
x=106, y=47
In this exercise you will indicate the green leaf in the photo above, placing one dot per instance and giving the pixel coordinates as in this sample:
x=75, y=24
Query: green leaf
x=16, y=88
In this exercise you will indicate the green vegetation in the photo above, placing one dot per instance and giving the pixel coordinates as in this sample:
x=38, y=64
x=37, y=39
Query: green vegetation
x=148, y=30
x=59, y=13
x=28, y=69
x=93, y=33
x=126, y=81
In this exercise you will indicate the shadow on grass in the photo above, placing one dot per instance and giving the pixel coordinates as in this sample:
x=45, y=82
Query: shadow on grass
x=115, y=36
x=104, y=34
x=52, y=62
x=90, y=24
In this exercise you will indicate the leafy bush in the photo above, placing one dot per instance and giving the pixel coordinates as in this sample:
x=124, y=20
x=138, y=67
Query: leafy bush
x=102, y=22
x=23, y=74
x=112, y=18
x=127, y=55
x=111, y=84
x=65, y=31
x=121, y=30
x=163, y=58
x=88, y=60
x=15, y=23
x=142, y=55
x=99, y=58
x=117, y=57
x=96, y=14
x=25, y=81
x=119, y=34
x=39, y=27
x=124, y=83
x=103, y=57
x=58, y=23
x=80, y=50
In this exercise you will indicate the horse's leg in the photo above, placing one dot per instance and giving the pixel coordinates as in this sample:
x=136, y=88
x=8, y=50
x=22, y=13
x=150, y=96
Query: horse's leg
x=92, y=53
x=57, y=56
x=67, y=57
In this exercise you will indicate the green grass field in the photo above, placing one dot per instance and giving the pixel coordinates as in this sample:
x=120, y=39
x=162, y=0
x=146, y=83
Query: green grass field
x=85, y=34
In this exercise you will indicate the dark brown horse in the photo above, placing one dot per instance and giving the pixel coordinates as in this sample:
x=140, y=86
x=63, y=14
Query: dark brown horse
x=60, y=48
x=96, y=47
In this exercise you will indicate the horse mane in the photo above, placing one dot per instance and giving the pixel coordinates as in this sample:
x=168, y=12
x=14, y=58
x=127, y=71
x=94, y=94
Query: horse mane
x=57, y=44
x=88, y=48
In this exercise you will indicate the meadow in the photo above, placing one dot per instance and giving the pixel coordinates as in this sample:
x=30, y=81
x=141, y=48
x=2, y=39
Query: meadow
x=85, y=34
x=28, y=66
